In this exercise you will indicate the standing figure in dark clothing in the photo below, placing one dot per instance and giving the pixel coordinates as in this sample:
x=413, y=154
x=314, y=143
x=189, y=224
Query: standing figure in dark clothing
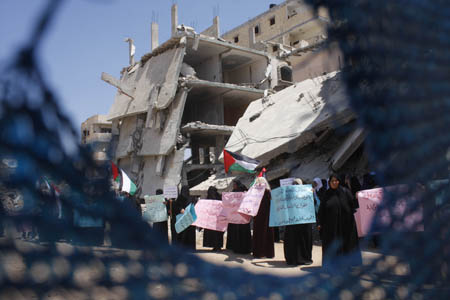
x=213, y=238
x=239, y=236
x=337, y=223
x=162, y=227
x=186, y=237
x=263, y=238
x=298, y=241
x=355, y=186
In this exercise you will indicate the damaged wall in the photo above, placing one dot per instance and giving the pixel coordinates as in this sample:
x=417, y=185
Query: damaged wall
x=154, y=84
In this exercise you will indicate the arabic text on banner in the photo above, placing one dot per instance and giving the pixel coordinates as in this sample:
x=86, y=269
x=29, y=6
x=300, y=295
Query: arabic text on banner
x=252, y=200
x=155, y=209
x=292, y=204
x=369, y=201
x=170, y=192
x=209, y=215
x=231, y=202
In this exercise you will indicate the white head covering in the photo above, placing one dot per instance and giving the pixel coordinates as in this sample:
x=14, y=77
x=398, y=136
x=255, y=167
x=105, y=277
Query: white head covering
x=262, y=180
x=318, y=181
x=297, y=181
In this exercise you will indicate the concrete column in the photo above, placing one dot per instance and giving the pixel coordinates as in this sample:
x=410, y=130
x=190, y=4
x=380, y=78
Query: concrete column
x=195, y=154
x=251, y=36
x=216, y=26
x=220, y=144
x=174, y=19
x=155, y=36
x=131, y=50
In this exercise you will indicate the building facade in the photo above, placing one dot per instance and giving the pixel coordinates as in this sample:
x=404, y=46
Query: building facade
x=96, y=132
x=292, y=27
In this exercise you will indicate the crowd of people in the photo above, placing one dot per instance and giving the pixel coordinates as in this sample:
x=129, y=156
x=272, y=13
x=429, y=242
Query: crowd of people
x=335, y=202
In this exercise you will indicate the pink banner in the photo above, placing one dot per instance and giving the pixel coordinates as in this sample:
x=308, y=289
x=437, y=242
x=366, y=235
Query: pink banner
x=252, y=200
x=231, y=203
x=369, y=200
x=209, y=215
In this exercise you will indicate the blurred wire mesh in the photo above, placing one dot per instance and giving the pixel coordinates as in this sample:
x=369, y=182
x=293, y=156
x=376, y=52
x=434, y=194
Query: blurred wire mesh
x=399, y=84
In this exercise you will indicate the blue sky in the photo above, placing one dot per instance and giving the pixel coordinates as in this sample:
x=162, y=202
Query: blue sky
x=87, y=38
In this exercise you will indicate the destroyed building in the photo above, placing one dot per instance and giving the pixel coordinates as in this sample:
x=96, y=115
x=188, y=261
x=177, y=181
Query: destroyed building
x=307, y=130
x=96, y=133
x=176, y=108
x=295, y=31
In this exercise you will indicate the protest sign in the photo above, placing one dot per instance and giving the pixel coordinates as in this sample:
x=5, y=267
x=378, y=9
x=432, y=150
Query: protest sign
x=155, y=209
x=209, y=215
x=292, y=204
x=252, y=199
x=370, y=200
x=286, y=181
x=170, y=192
x=186, y=219
x=231, y=202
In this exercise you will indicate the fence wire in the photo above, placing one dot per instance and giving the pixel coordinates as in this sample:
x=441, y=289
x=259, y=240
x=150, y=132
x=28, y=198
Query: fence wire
x=397, y=74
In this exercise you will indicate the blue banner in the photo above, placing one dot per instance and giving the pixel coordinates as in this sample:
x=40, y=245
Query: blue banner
x=186, y=219
x=292, y=204
x=155, y=209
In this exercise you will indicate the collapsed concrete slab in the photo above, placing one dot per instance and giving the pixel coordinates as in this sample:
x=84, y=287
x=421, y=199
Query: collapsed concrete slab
x=307, y=130
x=292, y=118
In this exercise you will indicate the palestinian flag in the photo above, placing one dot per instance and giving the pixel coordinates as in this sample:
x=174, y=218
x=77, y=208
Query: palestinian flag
x=239, y=162
x=127, y=185
x=115, y=172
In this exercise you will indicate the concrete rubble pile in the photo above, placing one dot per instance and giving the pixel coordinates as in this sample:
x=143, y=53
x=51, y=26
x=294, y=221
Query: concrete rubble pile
x=307, y=130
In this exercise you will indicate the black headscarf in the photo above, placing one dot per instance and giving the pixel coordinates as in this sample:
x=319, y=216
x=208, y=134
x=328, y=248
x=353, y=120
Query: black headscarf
x=239, y=186
x=184, y=199
x=343, y=194
x=213, y=194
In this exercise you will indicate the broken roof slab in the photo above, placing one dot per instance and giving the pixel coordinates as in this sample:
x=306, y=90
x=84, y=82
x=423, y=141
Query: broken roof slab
x=230, y=93
x=232, y=55
x=292, y=118
x=200, y=128
x=154, y=83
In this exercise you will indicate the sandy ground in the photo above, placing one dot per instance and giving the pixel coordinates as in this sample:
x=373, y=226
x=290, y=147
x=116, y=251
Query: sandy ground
x=273, y=266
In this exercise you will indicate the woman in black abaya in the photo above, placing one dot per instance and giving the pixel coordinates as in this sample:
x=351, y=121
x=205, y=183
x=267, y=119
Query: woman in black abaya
x=187, y=236
x=213, y=238
x=337, y=223
x=263, y=238
x=162, y=227
x=239, y=236
x=298, y=241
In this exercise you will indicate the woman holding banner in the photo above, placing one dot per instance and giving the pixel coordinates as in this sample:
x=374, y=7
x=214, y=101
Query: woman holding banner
x=186, y=237
x=298, y=241
x=337, y=223
x=263, y=238
x=239, y=236
x=213, y=238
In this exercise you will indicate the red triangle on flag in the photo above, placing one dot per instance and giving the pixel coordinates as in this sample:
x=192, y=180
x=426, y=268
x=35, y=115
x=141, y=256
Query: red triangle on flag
x=115, y=171
x=228, y=160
